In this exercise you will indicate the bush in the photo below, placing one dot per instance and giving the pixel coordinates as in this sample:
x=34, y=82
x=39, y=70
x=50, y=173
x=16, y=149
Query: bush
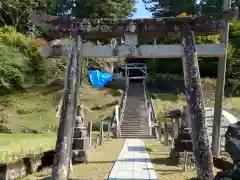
x=13, y=68
x=22, y=63
x=10, y=37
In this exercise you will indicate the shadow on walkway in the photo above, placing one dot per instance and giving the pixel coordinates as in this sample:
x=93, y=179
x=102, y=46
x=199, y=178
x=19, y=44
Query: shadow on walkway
x=165, y=161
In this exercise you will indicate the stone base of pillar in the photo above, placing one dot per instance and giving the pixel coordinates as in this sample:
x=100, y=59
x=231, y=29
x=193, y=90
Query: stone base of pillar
x=80, y=145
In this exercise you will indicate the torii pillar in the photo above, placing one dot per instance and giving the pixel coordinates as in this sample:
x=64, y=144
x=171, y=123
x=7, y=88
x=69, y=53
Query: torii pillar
x=219, y=97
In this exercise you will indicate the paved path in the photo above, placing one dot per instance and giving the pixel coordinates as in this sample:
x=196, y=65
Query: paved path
x=133, y=163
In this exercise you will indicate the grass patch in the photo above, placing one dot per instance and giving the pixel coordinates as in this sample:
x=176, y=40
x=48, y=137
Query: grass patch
x=99, y=165
x=29, y=110
x=36, y=109
x=163, y=102
x=163, y=165
x=15, y=146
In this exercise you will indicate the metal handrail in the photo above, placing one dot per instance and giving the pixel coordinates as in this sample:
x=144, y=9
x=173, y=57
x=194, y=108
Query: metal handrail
x=117, y=121
x=150, y=106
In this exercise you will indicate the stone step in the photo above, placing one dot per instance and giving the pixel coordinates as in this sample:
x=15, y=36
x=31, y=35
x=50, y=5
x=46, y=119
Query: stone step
x=137, y=129
x=132, y=125
x=129, y=119
x=134, y=117
x=135, y=132
x=136, y=137
x=135, y=125
x=134, y=122
x=135, y=113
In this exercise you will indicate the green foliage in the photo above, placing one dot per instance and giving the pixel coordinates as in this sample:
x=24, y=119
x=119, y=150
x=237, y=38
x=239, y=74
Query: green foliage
x=13, y=68
x=97, y=8
x=22, y=64
x=161, y=8
x=14, y=39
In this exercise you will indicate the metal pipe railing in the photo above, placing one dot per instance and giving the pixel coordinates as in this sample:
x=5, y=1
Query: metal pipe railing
x=118, y=113
x=150, y=108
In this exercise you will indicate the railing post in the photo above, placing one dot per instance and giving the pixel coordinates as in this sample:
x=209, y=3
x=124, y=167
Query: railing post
x=165, y=134
x=90, y=133
x=109, y=130
x=101, y=133
x=159, y=131
x=150, y=121
x=117, y=120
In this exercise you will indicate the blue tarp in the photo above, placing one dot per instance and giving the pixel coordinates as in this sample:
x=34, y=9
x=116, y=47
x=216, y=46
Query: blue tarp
x=99, y=79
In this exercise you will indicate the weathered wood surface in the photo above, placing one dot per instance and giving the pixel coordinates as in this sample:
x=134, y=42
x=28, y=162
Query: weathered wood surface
x=195, y=104
x=219, y=95
x=165, y=134
x=109, y=28
x=63, y=148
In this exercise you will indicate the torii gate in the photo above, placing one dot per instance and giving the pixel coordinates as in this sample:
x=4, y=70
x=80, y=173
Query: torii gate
x=131, y=30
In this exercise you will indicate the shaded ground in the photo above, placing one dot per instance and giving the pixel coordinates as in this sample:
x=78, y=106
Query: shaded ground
x=99, y=165
x=163, y=165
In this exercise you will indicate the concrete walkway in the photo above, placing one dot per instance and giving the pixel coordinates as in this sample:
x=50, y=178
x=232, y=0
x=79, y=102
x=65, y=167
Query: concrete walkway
x=133, y=163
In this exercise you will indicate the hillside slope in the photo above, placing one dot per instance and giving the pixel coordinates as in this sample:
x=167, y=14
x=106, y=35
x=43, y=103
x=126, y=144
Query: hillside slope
x=36, y=109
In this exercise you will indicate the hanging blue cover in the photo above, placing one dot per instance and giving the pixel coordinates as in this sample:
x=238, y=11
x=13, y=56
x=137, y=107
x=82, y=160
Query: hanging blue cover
x=99, y=79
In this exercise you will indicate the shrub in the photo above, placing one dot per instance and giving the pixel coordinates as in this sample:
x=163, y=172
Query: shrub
x=13, y=68
x=14, y=39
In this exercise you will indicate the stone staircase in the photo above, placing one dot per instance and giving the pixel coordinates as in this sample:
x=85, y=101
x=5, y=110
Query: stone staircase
x=135, y=120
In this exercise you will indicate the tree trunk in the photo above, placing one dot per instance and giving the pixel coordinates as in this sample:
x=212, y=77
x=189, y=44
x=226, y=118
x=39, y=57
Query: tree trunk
x=202, y=151
x=63, y=148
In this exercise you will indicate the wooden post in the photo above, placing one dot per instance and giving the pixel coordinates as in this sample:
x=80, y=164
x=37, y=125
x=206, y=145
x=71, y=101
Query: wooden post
x=109, y=130
x=177, y=126
x=222, y=63
x=165, y=134
x=97, y=141
x=101, y=133
x=195, y=104
x=156, y=132
x=185, y=160
x=159, y=131
x=175, y=131
x=63, y=148
x=90, y=133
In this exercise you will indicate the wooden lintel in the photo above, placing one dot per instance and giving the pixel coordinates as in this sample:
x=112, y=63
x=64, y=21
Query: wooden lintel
x=143, y=51
x=94, y=29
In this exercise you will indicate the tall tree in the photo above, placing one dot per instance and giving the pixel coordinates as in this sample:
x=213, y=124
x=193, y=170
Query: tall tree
x=213, y=6
x=161, y=8
x=97, y=8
